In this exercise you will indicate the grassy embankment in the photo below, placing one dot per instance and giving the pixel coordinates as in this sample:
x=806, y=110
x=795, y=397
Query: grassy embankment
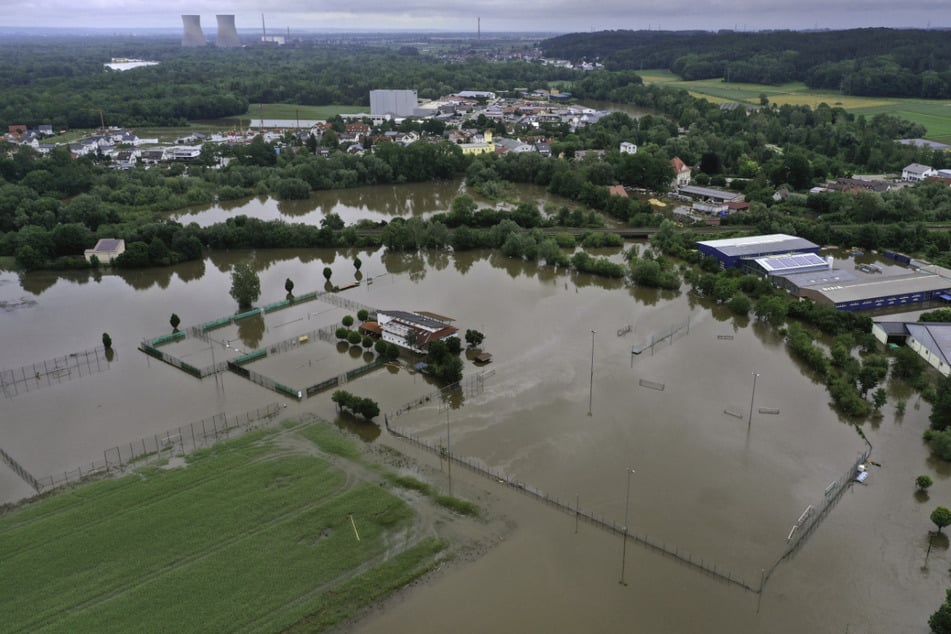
x=935, y=115
x=246, y=537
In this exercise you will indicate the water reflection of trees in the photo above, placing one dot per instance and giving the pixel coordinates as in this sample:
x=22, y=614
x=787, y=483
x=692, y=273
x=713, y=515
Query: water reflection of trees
x=463, y=260
x=251, y=330
x=403, y=262
x=191, y=271
x=37, y=282
x=143, y=279
x=368, y=432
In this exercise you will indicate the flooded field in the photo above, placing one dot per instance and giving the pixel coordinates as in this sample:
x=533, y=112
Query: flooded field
x=376, y=203
x=723, y=468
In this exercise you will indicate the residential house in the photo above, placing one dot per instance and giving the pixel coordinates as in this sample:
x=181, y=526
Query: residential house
x=503, y=146
x=618, y=190
x=184, y=152
x=916, y=172
x=628, y=148
x=414, y=330
x=682, y=173
x=153, y=156
x=358, y=130
x=106, y=250
x=479, y=146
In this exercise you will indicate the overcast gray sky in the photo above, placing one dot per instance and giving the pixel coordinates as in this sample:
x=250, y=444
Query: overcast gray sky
x=496, y=15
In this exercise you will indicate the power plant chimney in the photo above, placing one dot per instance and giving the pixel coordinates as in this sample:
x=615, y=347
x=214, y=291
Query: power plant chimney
x=227, y=33
x=192, y=36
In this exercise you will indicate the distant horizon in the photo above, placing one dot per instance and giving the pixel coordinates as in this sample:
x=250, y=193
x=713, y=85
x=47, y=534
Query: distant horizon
x=486, y=16
x=212, y=28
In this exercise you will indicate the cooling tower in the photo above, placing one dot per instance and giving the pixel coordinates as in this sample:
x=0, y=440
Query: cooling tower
x=193, y=35
x=227, y=33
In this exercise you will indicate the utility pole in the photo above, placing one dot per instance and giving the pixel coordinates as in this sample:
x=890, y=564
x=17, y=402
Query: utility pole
x=591, y=382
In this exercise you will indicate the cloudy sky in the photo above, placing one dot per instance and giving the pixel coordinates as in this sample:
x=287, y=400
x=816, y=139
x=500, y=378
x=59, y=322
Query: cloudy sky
x=496, y=15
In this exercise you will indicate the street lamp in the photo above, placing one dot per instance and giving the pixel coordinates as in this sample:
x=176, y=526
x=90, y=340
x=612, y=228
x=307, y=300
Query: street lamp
x=591, y=382
x=627, y=504
x=752, y=398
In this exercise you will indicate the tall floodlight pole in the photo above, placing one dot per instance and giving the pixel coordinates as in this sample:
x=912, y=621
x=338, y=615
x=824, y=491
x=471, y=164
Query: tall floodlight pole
x=591, y=382
x=627, y=504
x=752, y=398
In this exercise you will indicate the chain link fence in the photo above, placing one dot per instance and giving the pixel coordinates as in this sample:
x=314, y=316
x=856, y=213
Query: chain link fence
x=179, y=441
x=51, y=372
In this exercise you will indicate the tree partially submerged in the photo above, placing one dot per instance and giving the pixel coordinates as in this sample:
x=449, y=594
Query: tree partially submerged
x=941, y=517
x=245, y=285
x=365, y=407
x=474, y=338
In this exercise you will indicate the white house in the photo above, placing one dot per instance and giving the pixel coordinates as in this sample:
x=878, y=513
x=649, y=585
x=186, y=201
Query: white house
x=414, y=331
x=106, y=250
x=628, y=148
x=682, y=173
x=916, y=172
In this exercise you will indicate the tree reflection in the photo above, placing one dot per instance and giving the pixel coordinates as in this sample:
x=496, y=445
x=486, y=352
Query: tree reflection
x=368, y=432
x=251, y=330
x=36, y=282
x=191, y=271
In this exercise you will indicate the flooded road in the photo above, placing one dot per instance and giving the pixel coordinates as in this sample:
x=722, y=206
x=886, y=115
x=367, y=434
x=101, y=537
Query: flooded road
x=710, y=478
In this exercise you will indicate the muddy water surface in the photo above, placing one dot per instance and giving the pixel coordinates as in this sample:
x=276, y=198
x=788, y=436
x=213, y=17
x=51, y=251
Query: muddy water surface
x=709, y=478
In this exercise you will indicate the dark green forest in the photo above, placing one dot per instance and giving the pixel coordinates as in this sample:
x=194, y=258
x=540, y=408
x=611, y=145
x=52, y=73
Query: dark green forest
x=67, y=86
x=868, y=62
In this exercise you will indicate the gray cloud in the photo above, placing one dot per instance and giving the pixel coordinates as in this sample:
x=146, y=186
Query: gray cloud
x=496, y=15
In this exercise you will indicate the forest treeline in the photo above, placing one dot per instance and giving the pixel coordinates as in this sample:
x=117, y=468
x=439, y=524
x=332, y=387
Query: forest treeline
x=67, y=86
x=868, y=62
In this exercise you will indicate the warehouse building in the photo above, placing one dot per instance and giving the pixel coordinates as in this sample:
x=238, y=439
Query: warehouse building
x=398, y=103
x=731, y=252
x=932, y=341
x=866, y=294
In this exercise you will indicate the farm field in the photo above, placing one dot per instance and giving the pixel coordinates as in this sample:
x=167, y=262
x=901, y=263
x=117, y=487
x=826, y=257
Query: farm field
x=251, y=534
x=934, y=115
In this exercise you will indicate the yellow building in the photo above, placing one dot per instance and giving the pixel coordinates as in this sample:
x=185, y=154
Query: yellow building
x=486, y=147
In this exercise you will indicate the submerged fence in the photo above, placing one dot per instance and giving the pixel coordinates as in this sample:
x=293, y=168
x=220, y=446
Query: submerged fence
x=51, y=372
x=658, y=338
x=471, y=386
x=18, y=469
x=180, y=440
x=691, y=560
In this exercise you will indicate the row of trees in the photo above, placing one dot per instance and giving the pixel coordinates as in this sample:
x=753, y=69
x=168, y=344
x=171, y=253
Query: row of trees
x=361, y=406
x=874, y=62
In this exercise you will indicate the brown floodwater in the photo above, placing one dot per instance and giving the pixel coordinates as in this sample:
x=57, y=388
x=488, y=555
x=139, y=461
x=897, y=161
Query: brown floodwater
x=377, y=203
x=726, y=487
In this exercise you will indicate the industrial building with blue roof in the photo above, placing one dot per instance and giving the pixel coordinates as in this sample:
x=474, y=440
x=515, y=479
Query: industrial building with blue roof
x=732, y=251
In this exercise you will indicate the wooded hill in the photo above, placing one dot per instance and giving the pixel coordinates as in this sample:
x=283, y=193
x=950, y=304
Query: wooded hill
x=870, y=62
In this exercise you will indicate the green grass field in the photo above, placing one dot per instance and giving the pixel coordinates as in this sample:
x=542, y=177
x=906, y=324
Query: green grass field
x=291, y=111
x=934, y=115
x=247, y=537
